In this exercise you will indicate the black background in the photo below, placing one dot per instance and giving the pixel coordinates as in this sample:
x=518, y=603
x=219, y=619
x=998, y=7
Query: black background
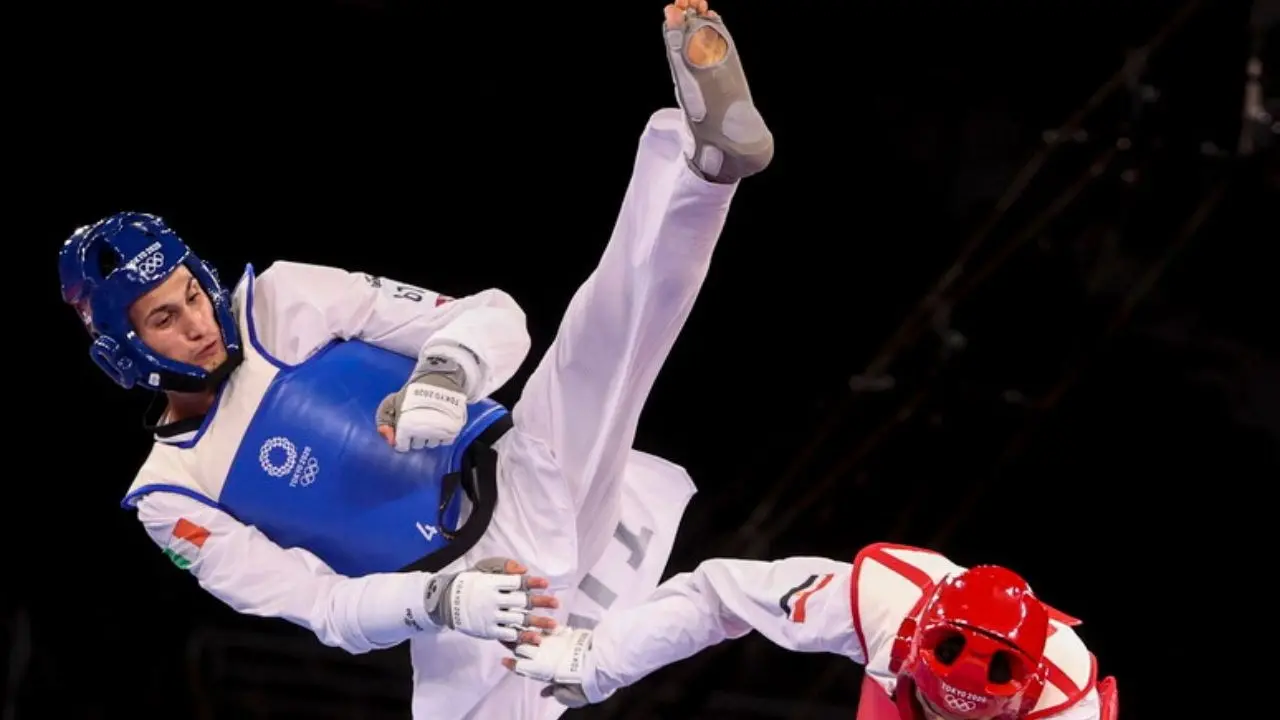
x=1098, y=409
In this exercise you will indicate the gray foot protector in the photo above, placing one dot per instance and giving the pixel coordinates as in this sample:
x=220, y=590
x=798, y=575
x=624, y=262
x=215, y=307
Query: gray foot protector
x=731, y=141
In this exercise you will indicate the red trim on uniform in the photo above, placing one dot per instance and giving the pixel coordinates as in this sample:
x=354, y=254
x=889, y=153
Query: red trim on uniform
x=797, y=608
x=918, y=577
x=874, y=703
x=1059, y=679
x=1108, y=699
x=877, y=552
x=853, y=604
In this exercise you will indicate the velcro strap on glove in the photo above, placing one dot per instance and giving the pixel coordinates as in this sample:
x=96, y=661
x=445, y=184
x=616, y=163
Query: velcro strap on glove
x=480, y=603
x=451, y=366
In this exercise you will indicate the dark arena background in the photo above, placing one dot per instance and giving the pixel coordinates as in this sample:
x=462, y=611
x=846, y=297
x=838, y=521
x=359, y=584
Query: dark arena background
x=1007, y=291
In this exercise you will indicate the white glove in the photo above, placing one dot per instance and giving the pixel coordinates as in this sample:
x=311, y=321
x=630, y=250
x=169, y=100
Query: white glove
x=562, y=658
x=431, y=408
x=483, y=601
x=429, y=415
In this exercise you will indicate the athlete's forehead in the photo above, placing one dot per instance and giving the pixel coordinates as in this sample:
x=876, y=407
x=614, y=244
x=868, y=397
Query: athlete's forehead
x=179, y=282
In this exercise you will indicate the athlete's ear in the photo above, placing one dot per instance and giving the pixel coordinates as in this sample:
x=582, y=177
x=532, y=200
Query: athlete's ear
x=901, y=645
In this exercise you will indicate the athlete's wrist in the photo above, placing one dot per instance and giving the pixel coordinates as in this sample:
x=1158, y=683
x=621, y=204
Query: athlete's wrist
x=596, y=688
x=435, y=599
x=456, y=362
x=389, y=607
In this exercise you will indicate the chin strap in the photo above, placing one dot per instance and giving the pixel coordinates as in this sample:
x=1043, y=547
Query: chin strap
x=175, y=382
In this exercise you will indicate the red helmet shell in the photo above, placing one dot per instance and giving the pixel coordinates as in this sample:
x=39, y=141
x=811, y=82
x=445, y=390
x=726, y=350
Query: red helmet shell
x=978, y=644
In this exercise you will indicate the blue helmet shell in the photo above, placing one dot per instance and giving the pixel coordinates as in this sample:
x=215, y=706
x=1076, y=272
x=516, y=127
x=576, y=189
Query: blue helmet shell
x=106, y=266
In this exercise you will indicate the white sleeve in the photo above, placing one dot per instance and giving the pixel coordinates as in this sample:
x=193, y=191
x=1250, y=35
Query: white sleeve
x=298, y=308
x=243, y=568
x=799, y=603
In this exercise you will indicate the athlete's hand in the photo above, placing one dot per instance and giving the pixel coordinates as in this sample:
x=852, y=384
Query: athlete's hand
x=491, y=600
x=429, y=410
x=561, y=659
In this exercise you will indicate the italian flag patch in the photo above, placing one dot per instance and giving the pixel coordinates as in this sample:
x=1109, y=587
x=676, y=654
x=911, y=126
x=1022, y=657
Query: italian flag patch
x=185, y=543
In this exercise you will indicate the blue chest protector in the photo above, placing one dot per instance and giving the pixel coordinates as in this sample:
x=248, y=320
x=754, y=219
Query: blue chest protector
x=312, y=472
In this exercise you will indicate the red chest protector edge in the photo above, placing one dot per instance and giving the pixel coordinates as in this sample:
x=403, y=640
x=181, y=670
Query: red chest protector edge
x=973, y=644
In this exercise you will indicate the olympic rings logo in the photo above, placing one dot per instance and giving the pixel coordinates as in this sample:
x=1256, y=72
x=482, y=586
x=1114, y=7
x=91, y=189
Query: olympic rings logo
x=959, y=704
x=151, y=264
x=309, y=472
x=278, y=469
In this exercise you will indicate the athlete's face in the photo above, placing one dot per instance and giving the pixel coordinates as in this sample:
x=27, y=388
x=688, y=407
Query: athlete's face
x=176, y=319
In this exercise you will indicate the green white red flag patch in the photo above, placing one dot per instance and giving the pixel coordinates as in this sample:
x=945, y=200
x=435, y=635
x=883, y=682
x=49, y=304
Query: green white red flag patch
x=185, y=542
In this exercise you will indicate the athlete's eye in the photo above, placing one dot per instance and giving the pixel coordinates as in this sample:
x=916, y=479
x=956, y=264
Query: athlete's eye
x=1000, y=670
x=949, y=649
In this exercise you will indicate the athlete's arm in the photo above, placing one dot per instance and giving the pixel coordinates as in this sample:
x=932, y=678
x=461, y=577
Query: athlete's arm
x=799, y=603
x=299, y=307
x=247, y=571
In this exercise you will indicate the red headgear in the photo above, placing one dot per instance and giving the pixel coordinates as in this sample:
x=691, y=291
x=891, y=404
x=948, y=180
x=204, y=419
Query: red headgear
x=975, y=647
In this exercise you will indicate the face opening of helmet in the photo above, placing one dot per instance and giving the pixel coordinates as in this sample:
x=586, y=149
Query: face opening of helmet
x=177, y=320
x=1004, y=668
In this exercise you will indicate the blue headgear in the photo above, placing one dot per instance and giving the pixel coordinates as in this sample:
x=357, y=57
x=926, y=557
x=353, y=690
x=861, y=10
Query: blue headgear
x=106, y=266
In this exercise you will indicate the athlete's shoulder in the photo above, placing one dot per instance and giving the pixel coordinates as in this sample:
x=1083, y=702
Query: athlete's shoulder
x=294, y=271
x=920, y=565
x=887, y=581
x=274, y=292
x=289, y=269
x=240, y=289
x=1071, y=669
x=289, y=282
x=278, y=273
x=164, y=468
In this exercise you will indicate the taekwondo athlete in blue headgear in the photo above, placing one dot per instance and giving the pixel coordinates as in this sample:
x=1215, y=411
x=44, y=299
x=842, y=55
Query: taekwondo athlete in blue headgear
x=160, y=318
x=269, y=480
